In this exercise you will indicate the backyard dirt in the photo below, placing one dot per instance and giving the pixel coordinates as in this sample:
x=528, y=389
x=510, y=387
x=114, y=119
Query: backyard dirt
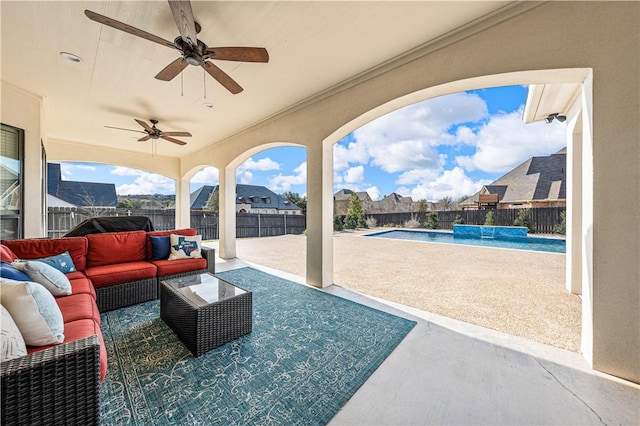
x=512, y=291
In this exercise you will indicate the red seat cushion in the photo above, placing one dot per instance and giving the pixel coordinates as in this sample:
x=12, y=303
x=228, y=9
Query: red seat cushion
x=112, y=248
x=171, y=267
x=79, y=329
x=38, y=248
x=6, y=254
x=120, y=273
x=82, y=286
x=189, y=232
x=78, y=306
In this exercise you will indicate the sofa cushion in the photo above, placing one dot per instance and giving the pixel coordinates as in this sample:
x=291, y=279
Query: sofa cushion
x=48, y=276
x=184, y=231
x=172, y=267
x=116, y=247
x=11, y=341
x=183, y=247
x=77, y=307
x=6, y=254
x=119, y=273
x=79, y=329
x=34, y=310
x=62, y=262
x=160, y=247
x=7, y=270
x=38, y=248
x=82, y=285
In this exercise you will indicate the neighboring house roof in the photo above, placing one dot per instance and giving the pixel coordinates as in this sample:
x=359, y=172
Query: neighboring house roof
x=53, y=201
x=346, y=194
x=257, y=196
x=537, y=179
x=80, y=194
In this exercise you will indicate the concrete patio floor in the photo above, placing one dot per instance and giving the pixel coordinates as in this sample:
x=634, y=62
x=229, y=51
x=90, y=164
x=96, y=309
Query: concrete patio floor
x=448, y=372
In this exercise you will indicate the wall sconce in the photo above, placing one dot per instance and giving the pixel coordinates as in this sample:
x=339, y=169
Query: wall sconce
x=557, y=116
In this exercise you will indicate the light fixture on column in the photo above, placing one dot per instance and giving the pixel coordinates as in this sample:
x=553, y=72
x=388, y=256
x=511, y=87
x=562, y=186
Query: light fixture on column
x=557, y=116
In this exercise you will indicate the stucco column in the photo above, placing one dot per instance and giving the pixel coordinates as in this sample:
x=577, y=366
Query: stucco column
x=183, y=203
x=573, y=213
x=320, y=214
x=227, y=212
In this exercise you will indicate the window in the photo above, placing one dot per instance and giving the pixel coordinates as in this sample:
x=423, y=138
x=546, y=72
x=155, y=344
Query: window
x=11, y=172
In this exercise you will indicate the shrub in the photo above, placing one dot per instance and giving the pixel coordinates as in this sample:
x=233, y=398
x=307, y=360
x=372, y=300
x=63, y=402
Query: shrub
x=458, y=220
x=490, y=219
x=561, y=228
x=411, y=223
x=355, y=214
x=524, y=219
x=371, y=222
x=338, y=224
x=432, y=221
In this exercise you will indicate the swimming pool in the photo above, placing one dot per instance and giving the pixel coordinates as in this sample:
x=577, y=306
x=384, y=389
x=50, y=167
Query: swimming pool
x=524, y=243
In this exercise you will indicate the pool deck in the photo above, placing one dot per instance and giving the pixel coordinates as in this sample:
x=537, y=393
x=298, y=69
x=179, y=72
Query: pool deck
x=513, y=291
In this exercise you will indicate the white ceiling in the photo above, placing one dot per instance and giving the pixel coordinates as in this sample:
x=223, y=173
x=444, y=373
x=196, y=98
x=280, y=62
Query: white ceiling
x=313, y=46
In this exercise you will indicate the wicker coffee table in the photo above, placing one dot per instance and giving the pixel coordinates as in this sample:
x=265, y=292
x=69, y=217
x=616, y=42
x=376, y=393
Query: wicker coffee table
x=204, y=311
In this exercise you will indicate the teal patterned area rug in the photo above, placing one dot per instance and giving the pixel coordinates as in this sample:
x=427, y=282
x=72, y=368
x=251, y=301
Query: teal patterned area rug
x=307, y=355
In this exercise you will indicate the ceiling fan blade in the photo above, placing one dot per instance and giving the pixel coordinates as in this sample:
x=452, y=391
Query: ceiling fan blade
x=128, y=29
x=170, y=139
x=222, y=77
x=172, y=70
x=120, y=128
x=144, y=138
x=184, y=134
x=183, y=15
x=145, y=125
x=243, y=54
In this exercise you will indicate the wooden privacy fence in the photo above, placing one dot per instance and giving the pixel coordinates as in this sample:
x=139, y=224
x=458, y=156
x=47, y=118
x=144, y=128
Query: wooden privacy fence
x=61, y=219
x=543, y=219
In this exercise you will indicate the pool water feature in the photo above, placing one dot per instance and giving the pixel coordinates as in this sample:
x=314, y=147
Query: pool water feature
x=553, y=245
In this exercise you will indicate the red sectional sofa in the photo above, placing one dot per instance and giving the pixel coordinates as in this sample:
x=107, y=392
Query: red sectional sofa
x=60, y=383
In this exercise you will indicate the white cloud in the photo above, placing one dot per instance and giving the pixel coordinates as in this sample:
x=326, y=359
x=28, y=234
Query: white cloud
x=354, y=174
x=373, y=192
x=66, y=169
x=125, y=171
x=243, y=176
x=206, y=176
x=506, y=141
x=263, y=164
x=284, y=182
x=145, y=183
x=452, y=183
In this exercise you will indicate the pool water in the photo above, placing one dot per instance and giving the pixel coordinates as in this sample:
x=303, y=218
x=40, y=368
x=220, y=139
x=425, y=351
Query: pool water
x=524, y=243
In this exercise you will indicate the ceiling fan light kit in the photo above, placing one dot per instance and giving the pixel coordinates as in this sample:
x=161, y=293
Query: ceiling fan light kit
x=193, y=51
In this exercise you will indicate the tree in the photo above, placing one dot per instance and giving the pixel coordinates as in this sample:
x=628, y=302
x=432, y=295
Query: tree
x=213, y=203
x=459, y=201
x=422, y=206
x=295, y=198
x=524, y=219
x=446, y=203
x=458, y=220
x=355, y=214
x=338, y=223
x=561, y=228
x=432, y=221
x=490, y=219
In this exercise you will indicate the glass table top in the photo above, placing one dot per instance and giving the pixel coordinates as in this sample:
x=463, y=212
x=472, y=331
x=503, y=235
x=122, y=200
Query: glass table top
x=204, y=289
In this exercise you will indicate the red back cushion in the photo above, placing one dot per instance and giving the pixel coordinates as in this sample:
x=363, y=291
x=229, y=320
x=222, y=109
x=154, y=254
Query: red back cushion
x=116, y=247
x=187, y=232
x=6, y=254
x=37, y=248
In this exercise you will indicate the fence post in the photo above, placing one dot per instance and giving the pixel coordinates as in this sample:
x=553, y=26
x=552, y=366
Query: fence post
x=285, y=224
x=259, y=232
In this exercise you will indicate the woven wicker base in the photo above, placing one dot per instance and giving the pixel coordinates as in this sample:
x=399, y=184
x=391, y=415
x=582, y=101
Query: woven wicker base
x=67, y=392
x=121, y=295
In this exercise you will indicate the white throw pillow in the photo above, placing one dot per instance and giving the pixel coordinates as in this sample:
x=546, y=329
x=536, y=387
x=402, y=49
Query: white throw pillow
x=51, y=278
x=183, y=247
x=34, y=311
x=11, y=340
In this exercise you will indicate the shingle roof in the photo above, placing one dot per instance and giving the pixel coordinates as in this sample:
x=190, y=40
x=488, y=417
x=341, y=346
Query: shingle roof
x=81, y=194
x=257, y=196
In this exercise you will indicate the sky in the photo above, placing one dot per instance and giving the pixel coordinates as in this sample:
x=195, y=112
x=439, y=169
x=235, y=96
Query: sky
x=449, y=146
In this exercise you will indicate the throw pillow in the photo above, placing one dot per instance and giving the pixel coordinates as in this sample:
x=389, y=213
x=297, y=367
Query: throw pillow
x=160, y=247
x=52, y=279
x=7, y=270
x=62, y=262
x=184, y=247
x=11, y=340
x=34, y=311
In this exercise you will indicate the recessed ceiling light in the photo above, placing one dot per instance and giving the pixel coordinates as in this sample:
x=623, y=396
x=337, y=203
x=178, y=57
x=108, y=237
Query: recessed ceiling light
x=71, y=57
x=207, y=105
